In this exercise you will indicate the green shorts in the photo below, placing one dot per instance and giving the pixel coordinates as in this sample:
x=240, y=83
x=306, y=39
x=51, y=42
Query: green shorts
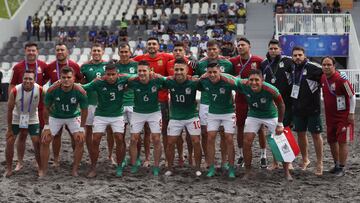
x=307, y=123
x=34, y=129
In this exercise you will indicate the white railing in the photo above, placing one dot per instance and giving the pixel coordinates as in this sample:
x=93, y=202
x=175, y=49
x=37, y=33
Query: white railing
x=354, y=78
x=308, y=24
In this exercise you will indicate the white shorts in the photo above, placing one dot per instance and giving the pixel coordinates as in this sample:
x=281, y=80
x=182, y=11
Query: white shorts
x=203, y=113
x=55, y=124
x=91, y=115
x=138, y=121
x=176, y=126
x=214, y=121
x=128, y=111
x=253, y=125
x=101, y=122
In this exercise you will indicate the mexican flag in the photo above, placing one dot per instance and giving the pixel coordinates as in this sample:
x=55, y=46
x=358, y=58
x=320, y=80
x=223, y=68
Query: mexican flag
x=284, y=147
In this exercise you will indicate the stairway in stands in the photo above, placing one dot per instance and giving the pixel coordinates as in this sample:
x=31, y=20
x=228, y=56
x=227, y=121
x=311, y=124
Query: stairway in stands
x=259, y=28
x=355, y=13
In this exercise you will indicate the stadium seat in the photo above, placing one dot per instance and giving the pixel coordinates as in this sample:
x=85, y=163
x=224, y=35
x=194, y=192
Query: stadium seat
x=5, y=66
x=84, y=58
x=115, y=56
x=140, y=12
x=176, y=11
x=51, y=58
x=168, y=11
x=73, y=57
x=149, y=11
x=195, y=8
x=240, y=30
x=106, y=57
x=86, y=50
x=42, y=57
x=158, y=12
x=108, y=51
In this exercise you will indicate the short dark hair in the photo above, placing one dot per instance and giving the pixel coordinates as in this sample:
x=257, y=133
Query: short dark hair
x=255, y=72
x=179, y=44
x=244, y=39
x=123, y=45
x=297, y=48
x=143, y=63
x=274, y=41
x=110, y=66
x=61, y=44
x=30, y=71
x=66, y=70
x=212, y=42
x=213, y=64
x=328, y=57
x=97, y=45
x=153, y=38
x=31, y=44
x=180, y=61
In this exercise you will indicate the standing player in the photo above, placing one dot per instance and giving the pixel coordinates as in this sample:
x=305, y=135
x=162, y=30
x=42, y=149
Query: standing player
x=62, y=103
x=92, y=70
x=221, y=113
x=213, y=51
x=339, y=100
x=52, y=73
x=242, y=66
x=22, y=117
x=146, y=109
x=109, y=112
x=266, y=107
x=305, y=93
x=276, y=71
x=158, y=62
x=183, y=113
x=30, y=63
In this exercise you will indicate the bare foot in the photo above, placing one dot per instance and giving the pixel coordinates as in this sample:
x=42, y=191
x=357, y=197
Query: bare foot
x=304, y=165
x=288, y=177
x=41, y=173
x=319, y=170
x=56, y=164
x=74, y=173
x=147, y=163
x=291, y=167
x=112, y=161
x=92, y=173
x=19, y=166
x=8, y=173
x=273, y=166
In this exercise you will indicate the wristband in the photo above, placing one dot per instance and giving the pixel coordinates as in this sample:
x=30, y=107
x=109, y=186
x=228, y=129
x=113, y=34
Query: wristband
x=280, y=124
x=46, y=127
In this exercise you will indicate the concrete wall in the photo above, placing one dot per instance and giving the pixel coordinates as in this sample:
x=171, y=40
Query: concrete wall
x=17, y=24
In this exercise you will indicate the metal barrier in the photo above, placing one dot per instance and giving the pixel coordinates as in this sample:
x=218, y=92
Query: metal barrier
x=354, y=78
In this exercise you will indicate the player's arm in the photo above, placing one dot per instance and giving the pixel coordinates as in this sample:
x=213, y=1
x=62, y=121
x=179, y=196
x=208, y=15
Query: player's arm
x=281, y=111
x=11, y=106
x=352, y=99
x=83, y=101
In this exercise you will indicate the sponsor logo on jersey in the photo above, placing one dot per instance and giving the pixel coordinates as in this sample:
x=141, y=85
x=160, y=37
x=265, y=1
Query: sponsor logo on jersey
x=160, y=62
x=222, y=91
x=188, y=90
x=104, y=89
x=222, y=69
x=73, y=100
x=263, y=100
x=253, y=65
x=91, y=69
x=120, y=87
x=153, y=89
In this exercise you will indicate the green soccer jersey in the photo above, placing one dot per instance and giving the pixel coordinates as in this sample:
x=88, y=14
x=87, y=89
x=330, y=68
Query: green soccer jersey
x=183, y=98
x=221, y=98
x=65, y=104
x=225, y=67
x=90, y=72
x=261, y=104
x=130, y=68
x=146, y=95
x=110, y=96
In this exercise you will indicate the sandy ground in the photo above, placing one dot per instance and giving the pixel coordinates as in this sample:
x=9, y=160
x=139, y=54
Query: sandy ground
x=267, y=186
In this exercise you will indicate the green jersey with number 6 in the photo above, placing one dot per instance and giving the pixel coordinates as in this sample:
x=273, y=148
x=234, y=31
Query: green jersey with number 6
x=225, y=67
x=221, y=98
x=92, y=71
x=183, y=98
x=65, y=104
x=146, y=95
x=110, y=96
x=130, y=68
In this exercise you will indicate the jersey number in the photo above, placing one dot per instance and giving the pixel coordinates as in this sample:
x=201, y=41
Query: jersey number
x=146, y=98
x=98, y=75
x=65, y=107
x=196, y=124
x=180, y=98
x=214, y=96
x=112, y=96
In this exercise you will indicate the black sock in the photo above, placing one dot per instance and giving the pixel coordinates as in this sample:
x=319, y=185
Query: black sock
x=342, y=166
x=336, y=164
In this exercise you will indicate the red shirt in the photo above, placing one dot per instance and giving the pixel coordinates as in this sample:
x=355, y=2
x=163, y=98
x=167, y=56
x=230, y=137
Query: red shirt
x=19, y=70
x=52, y=74
x=242, y=67
x=158, y=65
x=170, y=67
x=332, y=87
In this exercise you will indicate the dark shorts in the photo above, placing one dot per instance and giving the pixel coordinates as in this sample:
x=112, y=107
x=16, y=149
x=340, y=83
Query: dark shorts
x=307, y=123
x=288, y=117
x=33, y=129
x=241, y=114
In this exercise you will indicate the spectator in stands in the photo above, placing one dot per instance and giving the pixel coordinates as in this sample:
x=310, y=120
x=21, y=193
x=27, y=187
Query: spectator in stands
x=227, y=50
x=159, y=3
x=220, y=21
x=123, y=22
x=231, y=27
x=48, y=27
x=141, y=3
x=327, y=9
x=223, y=8
x=213, y=10
x=228, y=37
x=123, y=35
x=112, y=41
x=200, y=23
x=72, y=37
x=138, y=51
x=36, y=26
x=145, y=20
x=103, y=33
x=308, y=7
x=210, y=23
x=155, y=31
x=155, y=18
x=194, y=41
x=279, y=8
x=150, y=3
x=161, y=29
x=281, y=2
x=62, y=7
x=177, y=3
x=317, y=7
x=173, y=38
x=162, y=46
x=299, y=6
x=170, y=46
x=140, y=43
x=241, y=12
x=135, y=20
x=28, y=28
x=204, y=37
x=183, y=19
x=164, y=19
x=216, y=35
x=336, y=6
x=232, y=13
x=62, y=35
x=92, y=34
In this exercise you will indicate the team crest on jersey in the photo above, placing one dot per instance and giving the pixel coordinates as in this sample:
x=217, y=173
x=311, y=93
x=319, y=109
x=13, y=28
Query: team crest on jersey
x=120, y=87
x=132, y=70
x=138, y=90
x=222, y=69
x=104, y=89
x=188, y=90
x=281, y=64
x=73, y=100
x=153, y=89
x=104, y=67
x=255, y=105
x=222, y=91
x=248, y=95
x=91, y=69
x=173, y=90
x=305, y=72
x=206, y=88
x=253, y=65
x=160, y=62
x=263, y=100
x=57, y=99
